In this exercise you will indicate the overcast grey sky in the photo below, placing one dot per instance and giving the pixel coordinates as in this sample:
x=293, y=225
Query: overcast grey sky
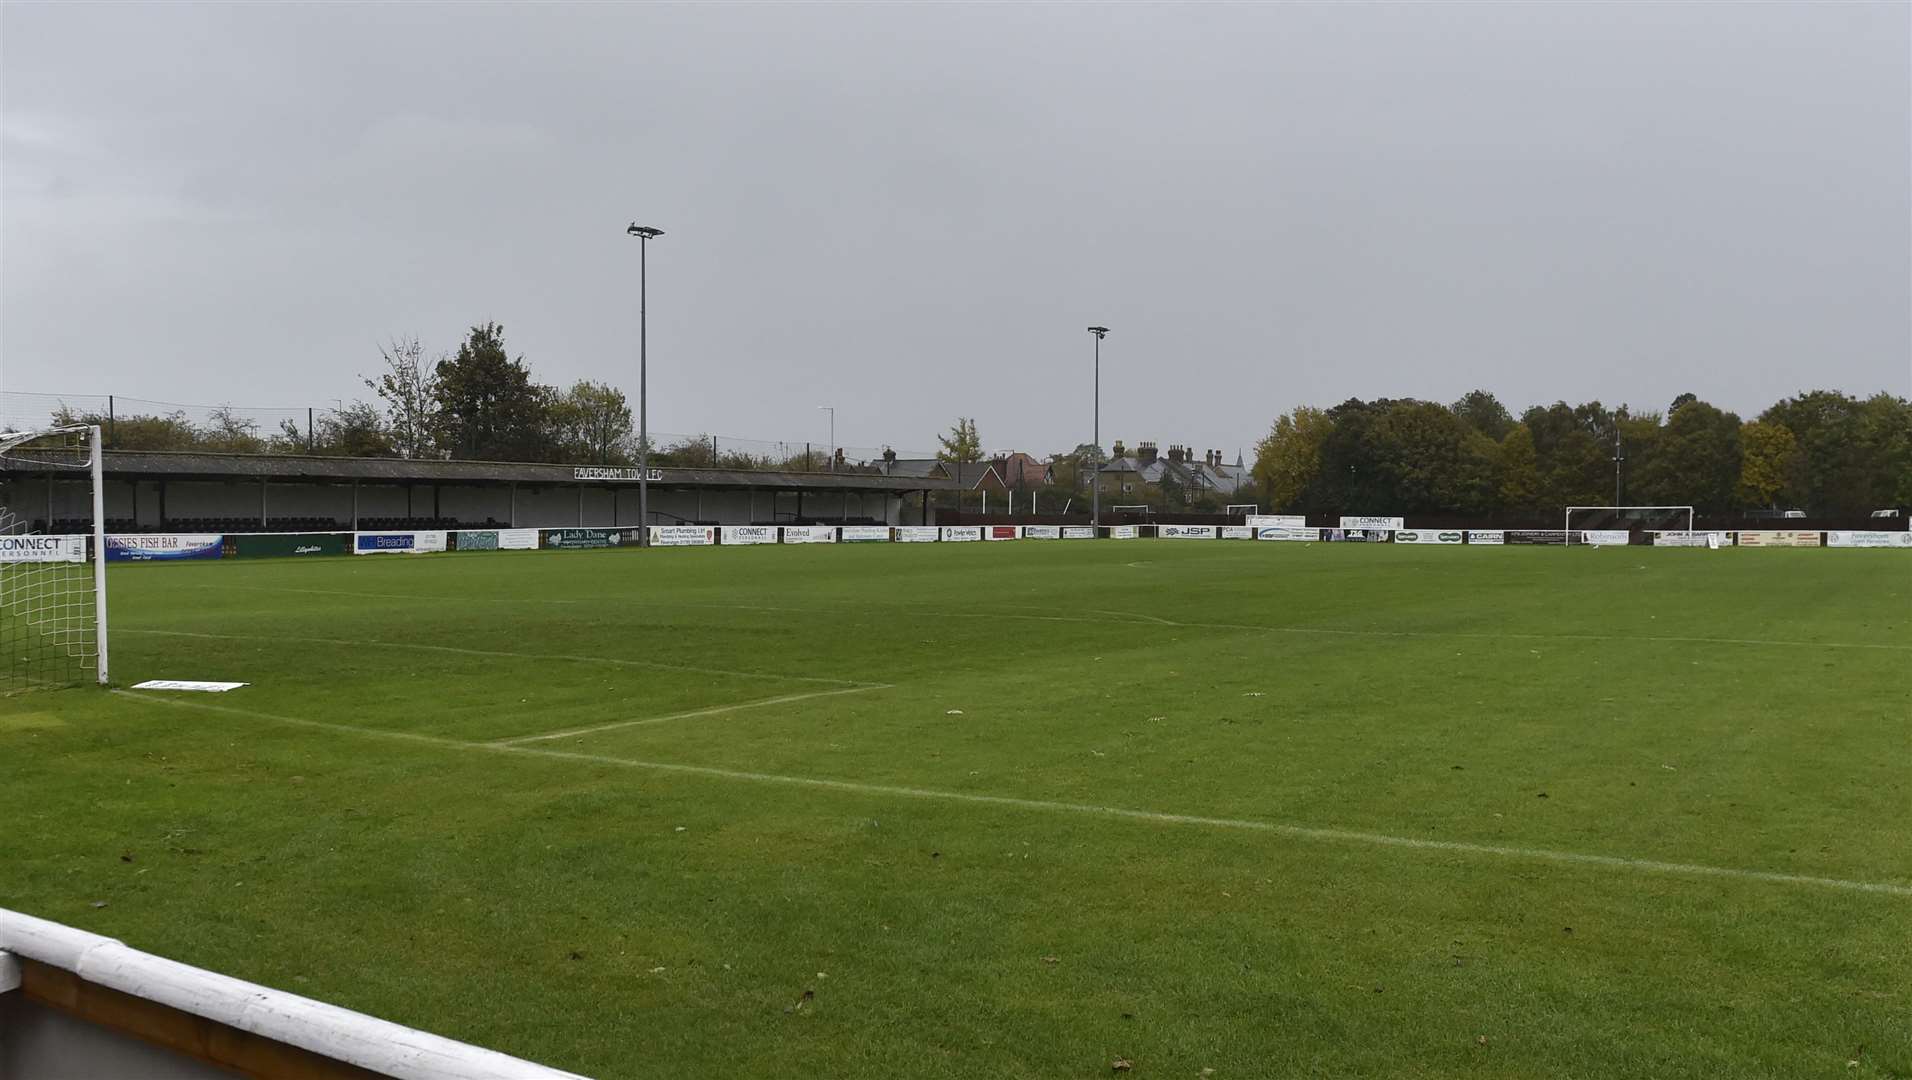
x=911, y=211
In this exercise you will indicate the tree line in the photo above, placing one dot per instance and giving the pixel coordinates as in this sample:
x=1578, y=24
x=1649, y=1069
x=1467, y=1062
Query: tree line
x=1821, y=451
x=479, y=403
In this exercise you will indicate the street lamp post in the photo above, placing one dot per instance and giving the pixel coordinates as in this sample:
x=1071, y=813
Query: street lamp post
x=830, y=453
x=645, y=234
x=1095, y=466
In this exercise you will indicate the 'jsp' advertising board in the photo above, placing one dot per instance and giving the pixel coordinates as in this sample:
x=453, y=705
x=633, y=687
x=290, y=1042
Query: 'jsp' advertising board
x=1185, y=532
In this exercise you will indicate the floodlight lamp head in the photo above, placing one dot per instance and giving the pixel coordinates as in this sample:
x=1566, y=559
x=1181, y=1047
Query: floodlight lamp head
x=644, y=231
x=1099, y=331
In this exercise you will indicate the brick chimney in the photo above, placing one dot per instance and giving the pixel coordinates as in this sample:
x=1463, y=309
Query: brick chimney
x=1120, y=450
x=1145, y=452
x=1177, y=454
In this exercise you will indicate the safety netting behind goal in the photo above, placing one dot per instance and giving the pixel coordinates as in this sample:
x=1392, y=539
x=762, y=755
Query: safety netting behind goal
x=49, y=633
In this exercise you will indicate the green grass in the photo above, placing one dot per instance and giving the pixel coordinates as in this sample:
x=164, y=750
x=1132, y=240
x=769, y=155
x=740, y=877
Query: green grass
x=570, y=901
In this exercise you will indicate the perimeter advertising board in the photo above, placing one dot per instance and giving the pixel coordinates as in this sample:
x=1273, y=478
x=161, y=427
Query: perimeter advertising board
x=281, y=545
x=583, y=539
x=1237, y=532
x=1370, y=536
x=1276, y=521
x=1185, y=532
x=1534, y=536
x=809, y=534
x=1124, y=532
x=1869, y=539
x=1606, y=537
x=865, y=534
x=1429, y=536
x=1042, y=532
x=1783, y=538
x=154, y=547
x=960, y=534
x=1078, y=532
x=22, y=549
x=1288, y=533
x=1003, y=532
x=475, y=540
x=1494, y=537
x=1373, y=523
x=517, y=539
x=683, y=535
x=916, y=534
x=748, y=534
x=1692, y=539
x=400, y=543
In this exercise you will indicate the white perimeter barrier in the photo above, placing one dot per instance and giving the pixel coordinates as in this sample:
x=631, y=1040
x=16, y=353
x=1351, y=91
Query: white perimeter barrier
x=959, y=534
x=1042, y=532
x=917, y=534
x=864, y=534
x=809, y=534
x=328, y=1031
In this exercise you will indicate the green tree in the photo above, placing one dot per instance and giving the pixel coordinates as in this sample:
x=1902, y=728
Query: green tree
x=1769, y=464
x=1288, y=460
x=1519, y=472
x=1832, y=469
x=227, y=432
x=358, y=430
x=1483, y=412
x=962, y=444
x=487, y=406
x=1885, y=450
x=1697, y=460
x=171, y=431
x=593, y=424
x=409, y=388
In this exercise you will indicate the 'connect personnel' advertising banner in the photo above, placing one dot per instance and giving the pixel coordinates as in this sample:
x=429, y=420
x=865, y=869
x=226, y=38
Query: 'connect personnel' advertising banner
x=19, y=549
x=1373, y=523
x=144, y=547
x=748, y=534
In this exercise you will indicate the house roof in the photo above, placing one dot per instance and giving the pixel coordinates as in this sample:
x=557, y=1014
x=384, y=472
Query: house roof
x=919, y=467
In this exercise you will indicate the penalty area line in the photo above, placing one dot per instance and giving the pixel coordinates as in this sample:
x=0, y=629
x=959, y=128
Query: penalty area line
x=714, y=710
x=1318, y=834
x=456, y=650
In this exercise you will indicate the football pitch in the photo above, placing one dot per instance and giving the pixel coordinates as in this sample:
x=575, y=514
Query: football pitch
x=1023, y=809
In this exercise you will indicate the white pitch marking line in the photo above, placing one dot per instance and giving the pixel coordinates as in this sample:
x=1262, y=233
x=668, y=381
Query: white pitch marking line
x=1301, y=832
x=386, y=596
x=1131, y=617
x=456, y=650
x=715, y=710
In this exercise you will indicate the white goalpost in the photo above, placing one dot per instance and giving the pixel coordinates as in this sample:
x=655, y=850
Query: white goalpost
x=1625, y=516
x=52, y=603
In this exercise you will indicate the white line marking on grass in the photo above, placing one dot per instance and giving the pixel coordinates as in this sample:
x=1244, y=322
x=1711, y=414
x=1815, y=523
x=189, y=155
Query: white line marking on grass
x=714, y=710
x=657, y=665
x=1299, y=832
x=1129, y=618
x=452, y=599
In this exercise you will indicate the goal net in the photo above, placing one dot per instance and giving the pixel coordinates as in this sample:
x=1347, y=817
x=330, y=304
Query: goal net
x=52, y=559
x=1614, y=525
